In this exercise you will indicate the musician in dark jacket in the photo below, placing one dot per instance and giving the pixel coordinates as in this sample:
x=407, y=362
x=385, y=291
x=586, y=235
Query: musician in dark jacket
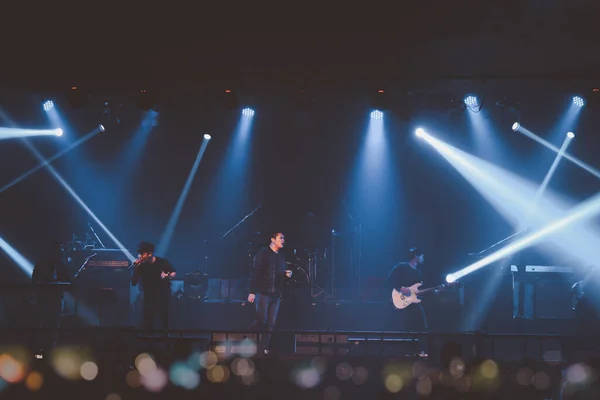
x=155, y=274
x=402, y=276
x=266, y=285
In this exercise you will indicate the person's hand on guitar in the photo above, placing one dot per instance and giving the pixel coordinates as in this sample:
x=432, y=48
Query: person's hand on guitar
x=405, y=291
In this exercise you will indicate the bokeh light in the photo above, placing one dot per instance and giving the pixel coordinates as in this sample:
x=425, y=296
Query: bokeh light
x=541, y=380
x=155, y=380
x=34, y=381
x=145, y=364
x=577, y=373
x=306, y=378
x=208, y=360
x=248, y=348
x=218, y=374
x=424, y=386
x=396, y=376
x=419, y=369
x=524, y=376
x=489, y=369
x=393, y=383
x=343, y=371
x=252, y=379
x=360, y=375
x=67, y=361
x=133, y=378
x=11, y=369
x=88, y=371
x=183, y=376
x=242, y=367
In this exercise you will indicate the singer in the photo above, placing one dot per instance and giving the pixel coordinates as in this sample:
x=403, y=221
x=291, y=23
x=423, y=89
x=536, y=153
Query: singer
x=155, y=274
x=269, y=271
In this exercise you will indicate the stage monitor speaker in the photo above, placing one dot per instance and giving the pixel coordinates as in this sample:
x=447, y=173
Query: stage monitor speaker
x=313, y=344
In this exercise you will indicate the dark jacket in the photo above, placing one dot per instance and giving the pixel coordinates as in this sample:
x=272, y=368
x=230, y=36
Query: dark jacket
x=268, y=272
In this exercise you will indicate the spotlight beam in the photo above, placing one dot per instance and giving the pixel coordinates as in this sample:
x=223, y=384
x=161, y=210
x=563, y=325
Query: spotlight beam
x=51, y=159
x=585, y=210
x=165, y=240
x=68, y=188
x=11, y=133
x=542, y=189
x=552, y=147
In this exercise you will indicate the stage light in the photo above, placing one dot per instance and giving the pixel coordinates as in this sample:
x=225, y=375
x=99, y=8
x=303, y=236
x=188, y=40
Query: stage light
x=516, y=126
x=570, y=135
x=101, y=127
x=48, y=105
x=376, y=114
x=207, y=136
x=247, y=112
x=578, y=101
x=420, y=132
x=471, y=101
x=59, y=132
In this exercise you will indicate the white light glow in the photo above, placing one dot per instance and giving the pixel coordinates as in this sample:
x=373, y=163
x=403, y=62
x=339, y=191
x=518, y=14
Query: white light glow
x=376, y=114
x=247, y=112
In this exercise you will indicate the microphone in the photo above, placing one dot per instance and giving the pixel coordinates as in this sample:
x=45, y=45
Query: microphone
x=134, y=263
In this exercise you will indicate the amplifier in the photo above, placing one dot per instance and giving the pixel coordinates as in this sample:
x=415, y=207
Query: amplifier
x=225, y=344
x=108, y=263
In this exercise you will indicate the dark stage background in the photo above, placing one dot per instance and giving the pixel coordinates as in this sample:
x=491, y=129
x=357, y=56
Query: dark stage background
x=302, y=171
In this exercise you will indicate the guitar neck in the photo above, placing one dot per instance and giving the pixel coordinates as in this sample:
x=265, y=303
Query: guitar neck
x=431, y=289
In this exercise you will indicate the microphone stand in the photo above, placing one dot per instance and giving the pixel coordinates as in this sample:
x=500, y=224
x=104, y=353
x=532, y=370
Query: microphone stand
x=81, y=269
x=359, y=255
x=479, y=254
x=96, y=236
x=239, y=223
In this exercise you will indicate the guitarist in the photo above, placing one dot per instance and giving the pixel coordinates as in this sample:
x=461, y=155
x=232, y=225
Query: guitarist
x=402, y=276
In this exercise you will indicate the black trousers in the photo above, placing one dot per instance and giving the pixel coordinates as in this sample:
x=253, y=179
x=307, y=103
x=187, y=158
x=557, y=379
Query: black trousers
x=267, y=308
x=156, y=305
x=414, y=319
x=49, y=307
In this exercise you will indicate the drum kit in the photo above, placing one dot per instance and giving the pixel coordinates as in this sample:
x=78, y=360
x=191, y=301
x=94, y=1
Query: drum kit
x=308, y=275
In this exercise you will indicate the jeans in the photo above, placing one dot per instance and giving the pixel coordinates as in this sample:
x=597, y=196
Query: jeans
x=267, y=307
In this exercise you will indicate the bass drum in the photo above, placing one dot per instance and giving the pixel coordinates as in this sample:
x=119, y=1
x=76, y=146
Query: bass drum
x=297, y=288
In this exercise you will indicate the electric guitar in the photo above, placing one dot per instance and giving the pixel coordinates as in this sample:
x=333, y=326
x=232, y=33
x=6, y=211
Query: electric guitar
x=401, y=301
